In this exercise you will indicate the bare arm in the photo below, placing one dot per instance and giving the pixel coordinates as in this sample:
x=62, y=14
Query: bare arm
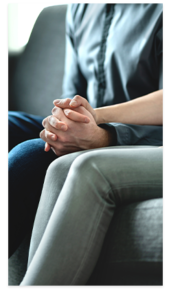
x=146, y=110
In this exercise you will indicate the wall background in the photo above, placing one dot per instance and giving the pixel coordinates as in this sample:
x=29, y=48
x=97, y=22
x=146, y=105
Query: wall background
x=21, y=19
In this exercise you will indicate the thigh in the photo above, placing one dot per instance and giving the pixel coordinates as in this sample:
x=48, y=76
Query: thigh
x=125, y=169
x=119, y=164
x=129, y=173
x=22, y=127
x=54, y=180
x=27, y=163
x=97, y=181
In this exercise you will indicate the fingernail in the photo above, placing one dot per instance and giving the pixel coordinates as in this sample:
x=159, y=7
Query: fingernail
x=56, y=101
x=73, y=103
x=63, y=127
x=86, y=120
x=66, y=111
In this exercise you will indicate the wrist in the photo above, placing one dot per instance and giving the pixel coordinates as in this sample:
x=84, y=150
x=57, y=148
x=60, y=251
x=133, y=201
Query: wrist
x=107, y=138
x=103, y=138
x=98, y=116
x=111, y=129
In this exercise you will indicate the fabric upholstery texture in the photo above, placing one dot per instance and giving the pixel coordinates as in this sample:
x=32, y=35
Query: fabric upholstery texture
x=41, y=64
x=132, y=252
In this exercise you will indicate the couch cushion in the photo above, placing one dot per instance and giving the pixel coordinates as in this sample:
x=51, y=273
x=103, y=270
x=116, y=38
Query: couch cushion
x=39, y=73
x=132, y=250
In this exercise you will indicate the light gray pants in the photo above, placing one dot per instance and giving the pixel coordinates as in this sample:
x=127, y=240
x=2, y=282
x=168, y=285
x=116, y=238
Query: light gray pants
x=80, y=193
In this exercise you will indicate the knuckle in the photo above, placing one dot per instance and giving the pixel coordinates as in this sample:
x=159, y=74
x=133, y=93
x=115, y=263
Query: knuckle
x=44, y=122
x=46, y=134
x=54, y=123
x=41, y=134
x=66, y=101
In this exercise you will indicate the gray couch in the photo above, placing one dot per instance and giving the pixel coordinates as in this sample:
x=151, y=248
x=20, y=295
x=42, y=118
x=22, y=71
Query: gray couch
x=132, y=251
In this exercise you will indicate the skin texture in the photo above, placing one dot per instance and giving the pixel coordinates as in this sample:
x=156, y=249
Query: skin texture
x=67, y=126
x=76, y=136
x=145, y=110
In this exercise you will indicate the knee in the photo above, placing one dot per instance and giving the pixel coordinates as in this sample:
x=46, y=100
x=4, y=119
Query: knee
x=87, y=173
x=56, y=166
x=85, y=167
x=80, y=166
x=81, y=169
x=62, y=164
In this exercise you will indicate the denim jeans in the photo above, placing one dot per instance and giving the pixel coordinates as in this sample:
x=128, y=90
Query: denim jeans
x=80, y=194
x=28, y=163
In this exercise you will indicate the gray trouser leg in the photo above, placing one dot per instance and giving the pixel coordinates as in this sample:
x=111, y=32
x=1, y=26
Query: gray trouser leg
x=97, y=182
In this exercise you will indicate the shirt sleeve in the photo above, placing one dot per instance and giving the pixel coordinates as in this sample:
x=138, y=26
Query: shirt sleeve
x=128, y=134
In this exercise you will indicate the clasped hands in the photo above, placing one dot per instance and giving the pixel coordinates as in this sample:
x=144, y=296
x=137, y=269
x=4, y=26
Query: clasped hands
x=73, y=127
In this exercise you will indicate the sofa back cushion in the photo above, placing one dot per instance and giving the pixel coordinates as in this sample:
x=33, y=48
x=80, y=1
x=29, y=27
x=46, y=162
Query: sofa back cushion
x=39, y=72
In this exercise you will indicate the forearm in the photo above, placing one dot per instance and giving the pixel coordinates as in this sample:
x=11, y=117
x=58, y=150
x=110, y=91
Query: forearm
x=146, y=110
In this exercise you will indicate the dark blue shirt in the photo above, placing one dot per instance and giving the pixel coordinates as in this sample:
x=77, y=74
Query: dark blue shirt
x=113, y=55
